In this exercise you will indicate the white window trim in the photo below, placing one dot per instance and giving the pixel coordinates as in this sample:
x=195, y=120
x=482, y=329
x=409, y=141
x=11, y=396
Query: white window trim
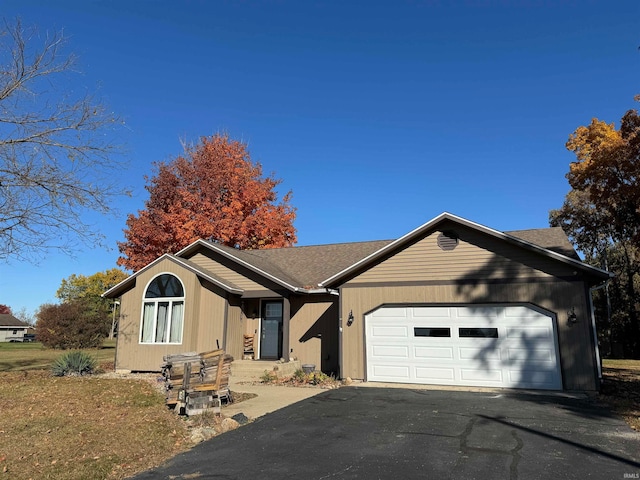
x=155, y=302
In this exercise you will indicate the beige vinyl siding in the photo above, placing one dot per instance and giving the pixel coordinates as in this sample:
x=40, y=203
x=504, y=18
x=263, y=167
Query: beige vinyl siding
x=556, y=296
x=220, y=266
x=477, y=256
x=313, y=331
x=133, y=355
x=210, y=331
x=235, y=329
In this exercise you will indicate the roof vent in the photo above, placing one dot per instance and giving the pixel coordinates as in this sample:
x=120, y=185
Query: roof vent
x=448, y=240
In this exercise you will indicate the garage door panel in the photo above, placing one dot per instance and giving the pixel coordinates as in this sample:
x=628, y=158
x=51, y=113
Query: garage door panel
x=395, y=351
x=435, y=374
x=437, y=312
x=392, y=312
x=390, y=331
x=469, y=353
x=508, y=346
x=400, y=372
x=433, y=353
x=529, y=334
x=489, y=313
x=539, y=378
x=538, y=356
x=475, y=375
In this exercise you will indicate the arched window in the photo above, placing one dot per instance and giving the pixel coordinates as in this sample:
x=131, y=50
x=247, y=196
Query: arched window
x=163, y=310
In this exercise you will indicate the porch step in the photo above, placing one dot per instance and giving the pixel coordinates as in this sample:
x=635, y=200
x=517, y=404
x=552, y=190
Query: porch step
x=252, y=370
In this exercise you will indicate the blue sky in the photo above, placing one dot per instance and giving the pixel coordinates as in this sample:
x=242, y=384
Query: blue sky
x=378, y=115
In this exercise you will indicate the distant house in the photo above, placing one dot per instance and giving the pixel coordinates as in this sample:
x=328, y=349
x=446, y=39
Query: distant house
x=452, y=303
x=12, y=329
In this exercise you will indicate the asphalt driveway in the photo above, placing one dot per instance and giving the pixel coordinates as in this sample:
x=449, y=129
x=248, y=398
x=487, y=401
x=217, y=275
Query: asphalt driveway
x=389, y=433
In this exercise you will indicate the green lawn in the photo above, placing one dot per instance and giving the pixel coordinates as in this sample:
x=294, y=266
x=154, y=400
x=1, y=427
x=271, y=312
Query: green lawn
x=33, y=356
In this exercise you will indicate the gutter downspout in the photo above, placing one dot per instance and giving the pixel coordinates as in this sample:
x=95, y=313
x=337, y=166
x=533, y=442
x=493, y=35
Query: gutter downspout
x=593, y=326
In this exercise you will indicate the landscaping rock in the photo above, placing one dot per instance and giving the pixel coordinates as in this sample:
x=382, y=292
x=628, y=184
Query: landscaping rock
x=200, y=434
x=228, y=424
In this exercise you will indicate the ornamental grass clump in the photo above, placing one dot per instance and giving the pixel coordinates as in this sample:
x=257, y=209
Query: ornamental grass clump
x=75, y=363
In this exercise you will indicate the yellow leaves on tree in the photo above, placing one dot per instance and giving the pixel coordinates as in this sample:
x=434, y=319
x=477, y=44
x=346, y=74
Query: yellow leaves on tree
x=215, y=192
x=601, y=215
x=607, y=169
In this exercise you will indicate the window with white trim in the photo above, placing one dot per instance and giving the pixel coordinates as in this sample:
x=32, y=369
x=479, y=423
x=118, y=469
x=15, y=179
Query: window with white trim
x=163, y=310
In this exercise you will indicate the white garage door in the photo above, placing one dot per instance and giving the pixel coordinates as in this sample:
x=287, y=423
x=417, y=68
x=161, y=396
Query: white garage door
x=495, y=346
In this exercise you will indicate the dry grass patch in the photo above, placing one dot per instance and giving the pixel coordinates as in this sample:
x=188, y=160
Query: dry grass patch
x=32, y=356
x=621, y=389
x=83, y=427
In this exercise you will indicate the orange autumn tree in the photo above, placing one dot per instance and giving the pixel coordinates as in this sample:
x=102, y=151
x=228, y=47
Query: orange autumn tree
x=214, y=192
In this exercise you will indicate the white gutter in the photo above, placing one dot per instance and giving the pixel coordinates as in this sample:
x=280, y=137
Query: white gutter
x=330, y=291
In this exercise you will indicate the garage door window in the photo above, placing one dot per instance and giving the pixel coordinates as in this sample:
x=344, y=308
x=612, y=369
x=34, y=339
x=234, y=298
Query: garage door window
x=478, y=333
x=431, y=332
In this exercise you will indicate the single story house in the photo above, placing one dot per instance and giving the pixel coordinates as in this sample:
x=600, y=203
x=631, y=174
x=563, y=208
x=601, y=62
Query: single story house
x=12, y=329
x=452, y=302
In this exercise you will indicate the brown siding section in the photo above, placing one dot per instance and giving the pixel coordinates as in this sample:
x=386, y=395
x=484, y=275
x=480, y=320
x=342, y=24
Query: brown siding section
x=235, y=328
x=559, y=297
x=223, y=268
x=210, y=331
x=133, y=355
x=313, y=334
x=479, y=270
x=477, y=256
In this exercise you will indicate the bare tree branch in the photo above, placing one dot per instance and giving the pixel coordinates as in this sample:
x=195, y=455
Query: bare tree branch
x=58, y=152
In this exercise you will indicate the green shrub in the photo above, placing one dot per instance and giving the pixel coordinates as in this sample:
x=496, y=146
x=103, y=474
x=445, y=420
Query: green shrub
x=313, y=378
x=72, y=325
x=268, y=377
x=318, y=378
x=300, y=376
x=74, y=363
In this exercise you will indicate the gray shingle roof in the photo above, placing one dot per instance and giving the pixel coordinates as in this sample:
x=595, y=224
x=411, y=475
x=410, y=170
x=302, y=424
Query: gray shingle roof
x=8, y=320
x=307, y=266
x=552, y=238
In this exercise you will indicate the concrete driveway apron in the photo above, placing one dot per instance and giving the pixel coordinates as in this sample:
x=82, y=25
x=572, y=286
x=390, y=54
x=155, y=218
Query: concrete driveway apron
x=385, y=433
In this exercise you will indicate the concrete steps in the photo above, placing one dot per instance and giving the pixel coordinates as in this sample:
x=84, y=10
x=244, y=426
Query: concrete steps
x=252, y=370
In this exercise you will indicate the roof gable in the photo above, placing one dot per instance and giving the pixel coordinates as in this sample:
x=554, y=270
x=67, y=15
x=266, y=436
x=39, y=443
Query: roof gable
x=307, y=269
x=127, y=283
x=428, y=227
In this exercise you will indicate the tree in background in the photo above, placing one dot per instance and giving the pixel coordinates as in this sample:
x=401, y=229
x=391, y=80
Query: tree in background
x=93, y=286
x=215, y=192
x=26, y=316
x=56, y=149
x=5, y=310
x=601, y=216
x=74, y=324
x=89, y=291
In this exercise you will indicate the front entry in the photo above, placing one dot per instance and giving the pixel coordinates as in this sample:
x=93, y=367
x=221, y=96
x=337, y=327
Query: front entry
x=271, y=330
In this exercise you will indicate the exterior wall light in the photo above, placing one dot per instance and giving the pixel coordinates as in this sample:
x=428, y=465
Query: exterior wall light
x=350, y=319
x=571, y=316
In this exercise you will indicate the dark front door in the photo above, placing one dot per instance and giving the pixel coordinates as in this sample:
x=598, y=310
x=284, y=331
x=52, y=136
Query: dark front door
x=271, y=331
